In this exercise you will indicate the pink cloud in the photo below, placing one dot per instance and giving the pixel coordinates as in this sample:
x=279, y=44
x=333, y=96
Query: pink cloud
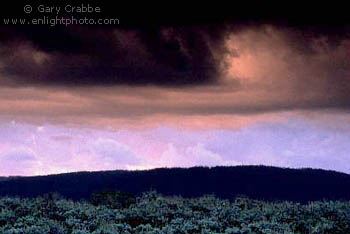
x=18, y=161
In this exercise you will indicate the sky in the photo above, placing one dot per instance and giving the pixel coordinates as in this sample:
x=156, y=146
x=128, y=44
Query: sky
x=248, y=88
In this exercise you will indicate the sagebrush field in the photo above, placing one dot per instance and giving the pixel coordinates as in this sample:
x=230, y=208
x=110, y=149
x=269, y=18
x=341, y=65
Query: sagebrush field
x=115, y=212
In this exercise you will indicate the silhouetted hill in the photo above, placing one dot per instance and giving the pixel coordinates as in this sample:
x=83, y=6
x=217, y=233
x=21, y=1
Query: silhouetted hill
x=258, y=182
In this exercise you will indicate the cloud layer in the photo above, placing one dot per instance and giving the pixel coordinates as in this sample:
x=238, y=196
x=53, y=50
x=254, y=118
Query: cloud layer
x=220, y=71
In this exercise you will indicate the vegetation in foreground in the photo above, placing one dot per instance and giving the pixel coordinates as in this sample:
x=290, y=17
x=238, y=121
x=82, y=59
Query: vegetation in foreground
x=114, y=212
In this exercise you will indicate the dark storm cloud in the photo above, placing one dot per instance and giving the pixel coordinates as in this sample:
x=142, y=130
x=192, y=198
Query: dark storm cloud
x=156, y=55
x=232, y=63
x=168, y=56
x=176, y=46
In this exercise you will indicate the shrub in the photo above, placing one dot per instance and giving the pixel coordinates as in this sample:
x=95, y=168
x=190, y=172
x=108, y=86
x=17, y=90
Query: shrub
x=113, y=199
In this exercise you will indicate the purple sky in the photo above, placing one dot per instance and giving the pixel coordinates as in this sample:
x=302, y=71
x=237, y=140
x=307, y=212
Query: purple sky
x=28, y=149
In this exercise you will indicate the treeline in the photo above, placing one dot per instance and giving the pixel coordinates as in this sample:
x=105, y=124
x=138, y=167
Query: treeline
x=257, y=182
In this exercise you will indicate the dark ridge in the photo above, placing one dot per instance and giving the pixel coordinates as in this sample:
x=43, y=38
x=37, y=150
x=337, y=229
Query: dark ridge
x=258, y=182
